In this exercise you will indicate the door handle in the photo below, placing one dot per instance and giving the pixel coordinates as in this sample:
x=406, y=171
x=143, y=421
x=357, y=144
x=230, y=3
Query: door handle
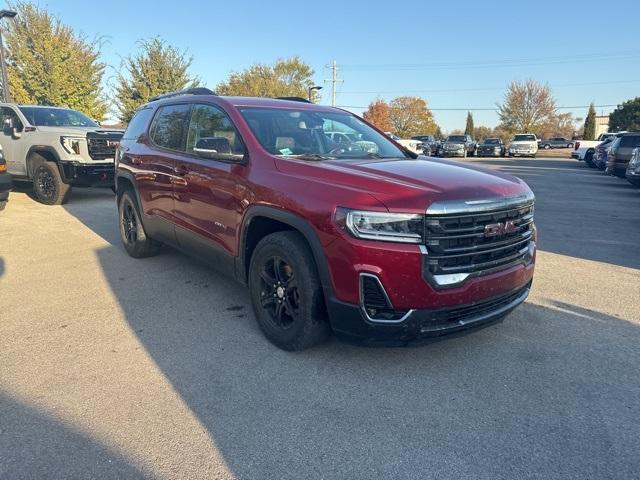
x=181, y=170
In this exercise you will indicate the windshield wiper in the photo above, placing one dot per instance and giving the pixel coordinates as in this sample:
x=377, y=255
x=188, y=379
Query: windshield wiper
x=310, y=156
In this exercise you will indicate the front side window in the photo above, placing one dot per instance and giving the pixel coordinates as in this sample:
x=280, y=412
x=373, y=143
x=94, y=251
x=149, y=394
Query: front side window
x=9, y=113
x=316, y=134
x=212, y=124
x=56, y=117
x=167, y=130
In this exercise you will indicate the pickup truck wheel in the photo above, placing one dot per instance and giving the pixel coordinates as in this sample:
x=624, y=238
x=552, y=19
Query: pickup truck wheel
x=2, y=205
x=135, y=240
x=48, y=185
x=286, y=294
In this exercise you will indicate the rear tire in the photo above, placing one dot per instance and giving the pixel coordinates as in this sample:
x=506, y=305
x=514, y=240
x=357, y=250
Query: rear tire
x=48, y=186
x=134, y=238
x=286, y=293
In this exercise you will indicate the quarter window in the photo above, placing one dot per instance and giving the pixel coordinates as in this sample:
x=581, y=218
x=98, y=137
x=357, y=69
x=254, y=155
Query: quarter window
x=209, y=122
x=169, y=125
x=138, y=124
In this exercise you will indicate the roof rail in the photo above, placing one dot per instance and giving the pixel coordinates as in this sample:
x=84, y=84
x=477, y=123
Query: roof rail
x=294, y=99
x=188, y=91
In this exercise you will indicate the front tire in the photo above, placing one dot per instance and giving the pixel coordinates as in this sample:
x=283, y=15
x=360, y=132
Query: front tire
x=134, y=238
x=547, y=147
x=48, y=186
x=286, y=293
x=588, y=159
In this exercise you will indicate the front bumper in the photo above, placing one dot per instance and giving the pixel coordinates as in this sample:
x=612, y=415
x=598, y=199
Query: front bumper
x=633, y=176
x=489, y=153
x=87, y=175
x=452, y=153
x=424, y=325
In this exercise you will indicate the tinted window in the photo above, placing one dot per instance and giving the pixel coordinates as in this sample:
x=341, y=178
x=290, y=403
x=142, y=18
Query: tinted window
x=457, y=138
x=630, y=141
x=56, y=117
x=6, y=112
x=208, y=121
x=138, y=124
x=169, y=125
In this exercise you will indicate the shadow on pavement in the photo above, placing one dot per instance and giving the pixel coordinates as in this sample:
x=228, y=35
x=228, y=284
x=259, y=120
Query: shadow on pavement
x=550, y=391
x=580, y=212
x=45, y=448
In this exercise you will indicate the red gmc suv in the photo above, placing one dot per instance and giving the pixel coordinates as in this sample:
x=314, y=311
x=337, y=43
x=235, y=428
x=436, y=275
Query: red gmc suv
x=365, y=239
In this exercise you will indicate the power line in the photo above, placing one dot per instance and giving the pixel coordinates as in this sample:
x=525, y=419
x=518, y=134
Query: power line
x=486, y=109
x=483, y=89
x=509, y=62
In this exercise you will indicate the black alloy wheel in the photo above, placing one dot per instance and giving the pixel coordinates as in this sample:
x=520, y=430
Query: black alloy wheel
x=279, y=294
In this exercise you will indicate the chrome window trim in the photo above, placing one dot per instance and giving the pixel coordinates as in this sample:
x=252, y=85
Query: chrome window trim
x=455, y=207
x=384, y=292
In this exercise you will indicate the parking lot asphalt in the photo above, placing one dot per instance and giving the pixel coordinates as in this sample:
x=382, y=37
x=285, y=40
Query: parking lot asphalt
x=112, y=367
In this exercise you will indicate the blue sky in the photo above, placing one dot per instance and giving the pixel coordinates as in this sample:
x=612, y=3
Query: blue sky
x=456, y=55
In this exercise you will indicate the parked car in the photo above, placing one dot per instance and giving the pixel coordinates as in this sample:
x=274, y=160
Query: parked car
x=555, y=142
x=598, y=158
x=5, y=182
x=491, y=147
x=326, y=238
x=56, y=149
x=457, y=146
x=413, y=145
x=524, y=144
x=429, y=141
x=619, y=154
x=583, y=147
x=633, y=170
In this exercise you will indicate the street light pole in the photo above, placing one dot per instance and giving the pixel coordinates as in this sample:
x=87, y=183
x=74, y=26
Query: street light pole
x=6, y=97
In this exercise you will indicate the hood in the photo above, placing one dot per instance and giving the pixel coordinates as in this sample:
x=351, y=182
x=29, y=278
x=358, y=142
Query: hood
x=80, y=131
x=409, y=185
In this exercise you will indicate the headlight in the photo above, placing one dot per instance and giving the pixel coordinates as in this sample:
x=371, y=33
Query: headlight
x=72, y=144
x=389, y=227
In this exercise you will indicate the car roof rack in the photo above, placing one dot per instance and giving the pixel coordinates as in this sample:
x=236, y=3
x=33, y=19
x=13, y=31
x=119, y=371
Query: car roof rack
x=294, y=99
x=188, y=91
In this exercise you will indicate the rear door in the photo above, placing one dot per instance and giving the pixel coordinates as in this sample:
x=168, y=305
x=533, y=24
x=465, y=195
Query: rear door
x=212, y=194
x=155, y=164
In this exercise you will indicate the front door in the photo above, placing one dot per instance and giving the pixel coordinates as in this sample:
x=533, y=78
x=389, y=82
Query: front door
x=209, y=199
x=13, y=148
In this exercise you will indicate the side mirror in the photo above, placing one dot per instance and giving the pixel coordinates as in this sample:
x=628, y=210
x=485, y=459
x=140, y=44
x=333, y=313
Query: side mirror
x=15, y=133
x=7, y=125
x=216, y=148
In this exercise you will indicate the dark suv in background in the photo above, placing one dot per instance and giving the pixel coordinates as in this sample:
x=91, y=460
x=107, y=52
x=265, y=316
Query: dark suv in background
x=428, y=140
x=620, y=153
x=373, y=243
x=457, y=146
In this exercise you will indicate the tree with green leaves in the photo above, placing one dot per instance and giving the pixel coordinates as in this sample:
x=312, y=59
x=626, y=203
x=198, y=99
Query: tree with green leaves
x=156, y=69
x=469, y=128
x=410, y=116
x=287, y=77
x=626, y=116
x=527, y=107
x=590, y=124
x=50, y=64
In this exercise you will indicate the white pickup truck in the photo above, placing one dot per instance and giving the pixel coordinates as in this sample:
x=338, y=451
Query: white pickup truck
x=410, y=144
x=584, y=147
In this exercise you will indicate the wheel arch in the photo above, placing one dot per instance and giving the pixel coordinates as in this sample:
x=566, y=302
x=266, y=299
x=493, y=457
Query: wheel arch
x=263, y=220
x=47, y=152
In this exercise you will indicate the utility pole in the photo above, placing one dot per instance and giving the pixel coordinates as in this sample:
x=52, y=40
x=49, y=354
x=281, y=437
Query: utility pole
x=334, y=80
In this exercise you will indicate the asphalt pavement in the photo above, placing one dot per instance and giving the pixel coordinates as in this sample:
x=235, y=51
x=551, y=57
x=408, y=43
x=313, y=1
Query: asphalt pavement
x=112, y=367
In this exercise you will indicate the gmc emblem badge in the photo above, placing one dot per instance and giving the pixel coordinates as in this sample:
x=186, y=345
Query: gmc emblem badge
x=113, y=143
x=495, y=229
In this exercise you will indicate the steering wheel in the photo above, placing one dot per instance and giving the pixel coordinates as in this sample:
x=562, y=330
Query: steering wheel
x=351, y=148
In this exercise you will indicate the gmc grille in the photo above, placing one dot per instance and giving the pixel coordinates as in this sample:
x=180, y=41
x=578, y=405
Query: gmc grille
x=100, y=148
x=473, y=243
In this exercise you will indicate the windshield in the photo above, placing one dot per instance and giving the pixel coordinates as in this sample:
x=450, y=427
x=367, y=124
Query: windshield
x=524, y=138
x=492, y=141
x=56, y=117
x=457, y=138
x=316, y=135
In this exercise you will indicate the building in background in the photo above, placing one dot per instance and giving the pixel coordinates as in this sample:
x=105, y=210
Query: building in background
x=602, y=124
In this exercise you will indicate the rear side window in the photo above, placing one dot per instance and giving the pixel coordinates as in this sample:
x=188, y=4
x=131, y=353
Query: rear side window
x=630, y=141
x=138, y=124
x=169, y=126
